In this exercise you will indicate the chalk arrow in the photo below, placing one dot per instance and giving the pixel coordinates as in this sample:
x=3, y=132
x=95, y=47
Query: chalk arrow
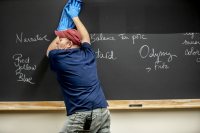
x=148, y=69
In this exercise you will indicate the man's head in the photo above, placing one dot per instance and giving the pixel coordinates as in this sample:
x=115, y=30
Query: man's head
x=69, y=38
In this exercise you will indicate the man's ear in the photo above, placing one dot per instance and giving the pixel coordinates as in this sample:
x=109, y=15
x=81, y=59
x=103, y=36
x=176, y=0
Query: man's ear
x=69, y=44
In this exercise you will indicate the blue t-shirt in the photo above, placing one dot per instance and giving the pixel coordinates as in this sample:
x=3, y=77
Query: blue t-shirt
x=77, y=75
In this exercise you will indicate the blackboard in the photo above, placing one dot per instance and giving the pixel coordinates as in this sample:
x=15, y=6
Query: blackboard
x=145, y=49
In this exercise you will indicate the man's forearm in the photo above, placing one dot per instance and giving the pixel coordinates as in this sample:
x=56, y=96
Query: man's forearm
x=52, y=45
x=82, y=29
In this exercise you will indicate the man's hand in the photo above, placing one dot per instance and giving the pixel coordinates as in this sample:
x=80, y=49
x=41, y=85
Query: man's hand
x=66, y=22
x=73, y=9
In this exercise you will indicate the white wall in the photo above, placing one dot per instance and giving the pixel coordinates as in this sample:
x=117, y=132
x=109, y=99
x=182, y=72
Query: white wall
x=127, y=121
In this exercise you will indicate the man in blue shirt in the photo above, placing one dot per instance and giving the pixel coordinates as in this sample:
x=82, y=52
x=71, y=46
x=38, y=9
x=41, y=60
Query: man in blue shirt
x=72, y=58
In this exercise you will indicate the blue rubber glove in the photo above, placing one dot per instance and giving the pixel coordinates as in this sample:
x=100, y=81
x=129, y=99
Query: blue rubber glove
x=66, y=21
x=74, y=8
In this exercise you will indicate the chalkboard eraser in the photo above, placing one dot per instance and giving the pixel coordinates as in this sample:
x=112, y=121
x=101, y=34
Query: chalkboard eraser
x=135, y=105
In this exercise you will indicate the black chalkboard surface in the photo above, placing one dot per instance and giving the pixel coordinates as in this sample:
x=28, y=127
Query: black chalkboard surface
x=145, y=49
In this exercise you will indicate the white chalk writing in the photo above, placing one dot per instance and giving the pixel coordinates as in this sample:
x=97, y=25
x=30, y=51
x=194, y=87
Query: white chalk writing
x=105, y=55
x=138, y=36
x=186, y=42
x=146, y=52
x=191, y=35
x=193, y=52
x=101, y=37
x=22, y=65
x=194, y=41
x=21, y=38
x=123, y=36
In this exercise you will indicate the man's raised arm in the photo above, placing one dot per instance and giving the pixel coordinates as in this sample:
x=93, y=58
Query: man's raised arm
x=73, y=11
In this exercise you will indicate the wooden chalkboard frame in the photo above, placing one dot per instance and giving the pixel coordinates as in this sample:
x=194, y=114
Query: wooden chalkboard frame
x=136, y=28
x=113, y=105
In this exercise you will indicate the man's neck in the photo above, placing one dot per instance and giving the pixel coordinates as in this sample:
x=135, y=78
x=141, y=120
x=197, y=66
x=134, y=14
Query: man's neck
x=75, y=46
